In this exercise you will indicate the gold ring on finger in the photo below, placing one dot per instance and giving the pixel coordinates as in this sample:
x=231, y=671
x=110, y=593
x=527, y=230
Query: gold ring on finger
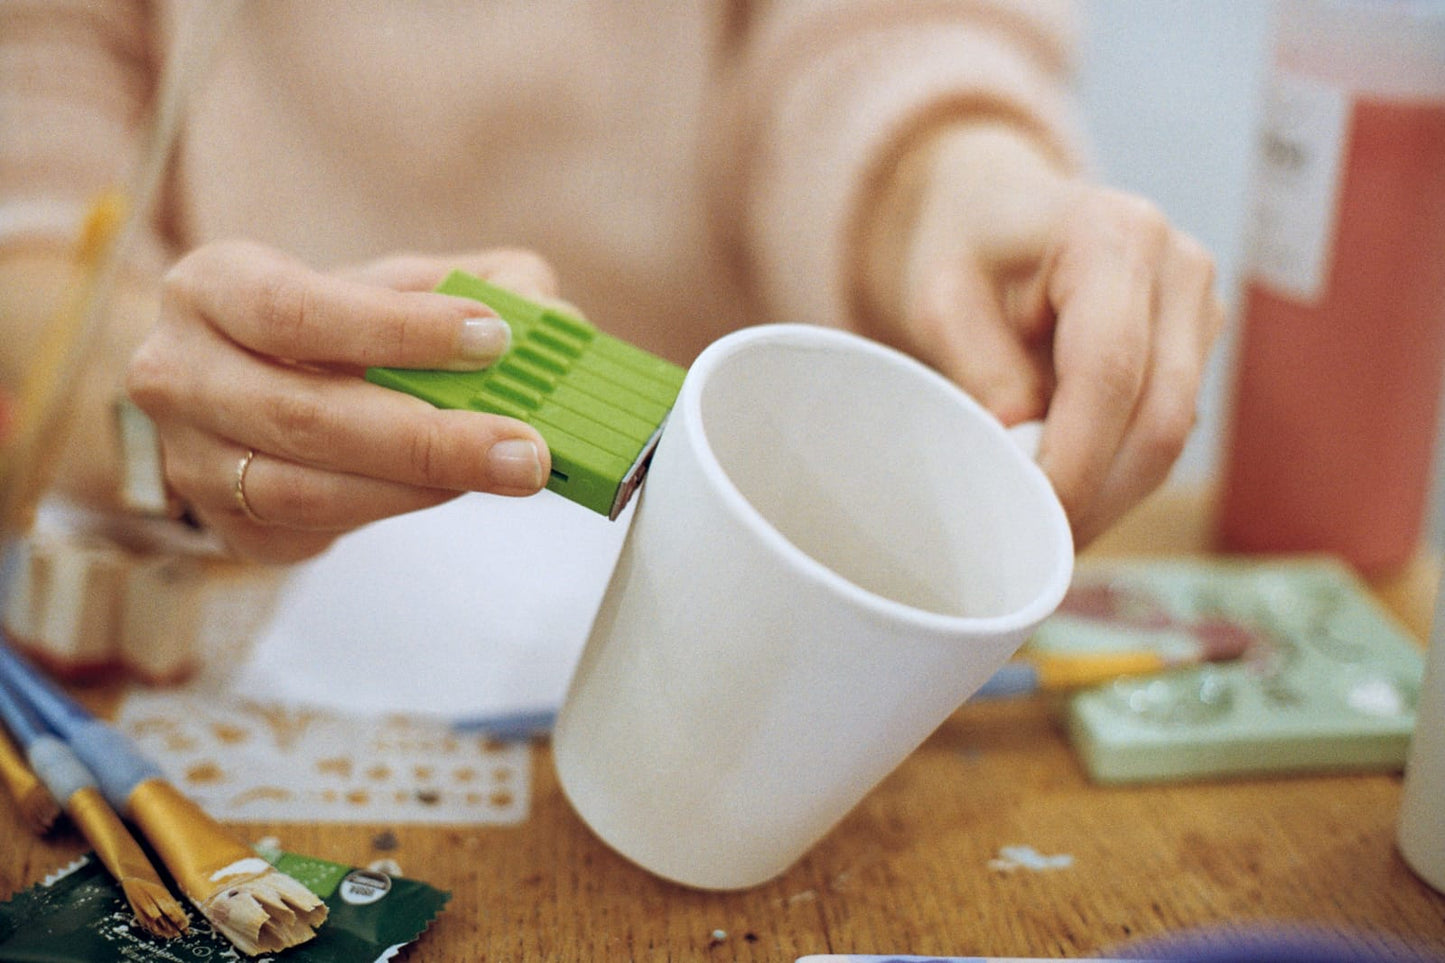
x=243, y=466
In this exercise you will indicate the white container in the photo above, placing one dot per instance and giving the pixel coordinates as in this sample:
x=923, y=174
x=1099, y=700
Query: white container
x=1422, y=806
x=835, y=547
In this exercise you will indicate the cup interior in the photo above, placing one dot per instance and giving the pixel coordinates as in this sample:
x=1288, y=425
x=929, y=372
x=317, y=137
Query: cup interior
x=881, y=471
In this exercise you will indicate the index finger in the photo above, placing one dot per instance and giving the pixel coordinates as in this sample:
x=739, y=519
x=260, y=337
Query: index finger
x=274, y=305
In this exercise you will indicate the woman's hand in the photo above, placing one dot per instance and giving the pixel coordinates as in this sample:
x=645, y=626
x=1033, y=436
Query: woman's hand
x=256, y=353
x=1048, y=297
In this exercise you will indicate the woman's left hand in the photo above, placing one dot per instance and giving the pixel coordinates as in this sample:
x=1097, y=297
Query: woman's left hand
x=1048, y=297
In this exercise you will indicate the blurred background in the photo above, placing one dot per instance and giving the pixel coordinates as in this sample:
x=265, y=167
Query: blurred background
x=1171, y=92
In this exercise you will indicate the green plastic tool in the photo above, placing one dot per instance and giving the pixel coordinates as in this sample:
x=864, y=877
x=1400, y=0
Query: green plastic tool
x=597, y=401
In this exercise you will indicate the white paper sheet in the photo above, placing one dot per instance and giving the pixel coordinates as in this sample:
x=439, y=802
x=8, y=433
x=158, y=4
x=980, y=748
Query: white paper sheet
x=475, y=608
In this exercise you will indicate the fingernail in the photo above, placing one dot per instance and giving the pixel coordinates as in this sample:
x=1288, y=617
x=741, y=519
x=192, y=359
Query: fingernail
x=515, y=463
x=483, y=340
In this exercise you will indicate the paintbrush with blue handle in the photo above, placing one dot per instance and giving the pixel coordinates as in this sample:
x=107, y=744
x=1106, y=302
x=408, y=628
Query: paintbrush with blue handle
x=253, y=904
x=70, y=782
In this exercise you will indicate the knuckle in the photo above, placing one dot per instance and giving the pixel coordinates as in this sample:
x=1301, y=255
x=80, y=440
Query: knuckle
x=1117, y=372
x=426, y=456
x=1129, y=218
x=527, y=267
x=409, y=264
x=1198, y=257
x=1075, y=498
x=1215, y=320
x=1167, y=422
x=179, y=279
x=283, y=307
x=291, y=498
x=301, y=419
x=183, y=274
x=148, y=377
x=400, y=332
x=1141, y=214
x=1198, y=263
x=186, y=476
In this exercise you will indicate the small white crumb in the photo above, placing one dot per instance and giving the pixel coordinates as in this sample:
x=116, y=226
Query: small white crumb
x=386, y=865
x=1011, y=858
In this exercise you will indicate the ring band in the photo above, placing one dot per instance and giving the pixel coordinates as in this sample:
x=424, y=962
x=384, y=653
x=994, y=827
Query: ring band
x=242, y=467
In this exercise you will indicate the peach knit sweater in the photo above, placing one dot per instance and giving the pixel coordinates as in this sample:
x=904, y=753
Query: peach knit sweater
x=688, y=166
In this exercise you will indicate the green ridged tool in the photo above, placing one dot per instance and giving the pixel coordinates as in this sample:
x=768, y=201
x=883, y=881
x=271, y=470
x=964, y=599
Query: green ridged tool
x=597, y=401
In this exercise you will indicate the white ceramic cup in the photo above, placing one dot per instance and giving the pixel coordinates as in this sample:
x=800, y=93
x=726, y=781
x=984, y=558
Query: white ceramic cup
x=834, y=548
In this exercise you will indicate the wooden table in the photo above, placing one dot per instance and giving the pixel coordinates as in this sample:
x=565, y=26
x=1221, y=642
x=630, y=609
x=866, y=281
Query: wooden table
x=910, y=870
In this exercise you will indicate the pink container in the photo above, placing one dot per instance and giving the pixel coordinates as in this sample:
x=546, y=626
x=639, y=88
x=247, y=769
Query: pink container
x=1342, y=339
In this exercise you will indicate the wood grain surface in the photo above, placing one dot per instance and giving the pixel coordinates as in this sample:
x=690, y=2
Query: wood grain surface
x=917, y=867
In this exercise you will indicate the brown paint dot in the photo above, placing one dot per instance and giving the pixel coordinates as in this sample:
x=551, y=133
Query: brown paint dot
x=203, y=773
x=229, y=734
x=335, y=766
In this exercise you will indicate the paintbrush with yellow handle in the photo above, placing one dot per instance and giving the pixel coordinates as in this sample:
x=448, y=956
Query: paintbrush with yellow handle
x=37, y=807
x=67, y=779
x=36, y=412
x=250, y=902
x=36, y=428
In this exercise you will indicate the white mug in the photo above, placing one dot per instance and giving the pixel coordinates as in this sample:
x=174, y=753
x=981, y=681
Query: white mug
x=834, y=549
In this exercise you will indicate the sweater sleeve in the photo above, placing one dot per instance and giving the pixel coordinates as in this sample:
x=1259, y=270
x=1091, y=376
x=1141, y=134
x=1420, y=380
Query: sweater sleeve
x=826, y=95
x=76, y=79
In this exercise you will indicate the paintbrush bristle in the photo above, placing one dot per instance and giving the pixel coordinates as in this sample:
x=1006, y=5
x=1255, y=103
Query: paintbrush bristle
x=39, y=809
x=155, y=908
x=265, y=913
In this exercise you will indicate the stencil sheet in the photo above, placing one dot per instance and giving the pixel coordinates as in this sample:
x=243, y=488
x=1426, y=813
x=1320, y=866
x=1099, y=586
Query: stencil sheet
x=246, y=761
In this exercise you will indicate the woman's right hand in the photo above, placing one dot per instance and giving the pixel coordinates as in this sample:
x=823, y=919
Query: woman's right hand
x=269, y=434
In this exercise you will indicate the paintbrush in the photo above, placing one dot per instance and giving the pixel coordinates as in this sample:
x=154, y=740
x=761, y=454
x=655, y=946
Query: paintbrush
x=1214, y=640
x=1129, y=611
x=250, y=902
x=37, y=807
x=67, y=778
x=36, y=415
x=1052, y=672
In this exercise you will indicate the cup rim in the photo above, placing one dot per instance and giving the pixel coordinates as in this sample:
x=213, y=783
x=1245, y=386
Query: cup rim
x=689, y=402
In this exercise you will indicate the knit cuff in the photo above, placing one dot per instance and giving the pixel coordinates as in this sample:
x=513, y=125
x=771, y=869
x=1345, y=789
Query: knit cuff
x=828, y=147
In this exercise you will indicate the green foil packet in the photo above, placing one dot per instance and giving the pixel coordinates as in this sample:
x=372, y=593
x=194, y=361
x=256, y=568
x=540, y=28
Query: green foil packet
x=78, y=915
